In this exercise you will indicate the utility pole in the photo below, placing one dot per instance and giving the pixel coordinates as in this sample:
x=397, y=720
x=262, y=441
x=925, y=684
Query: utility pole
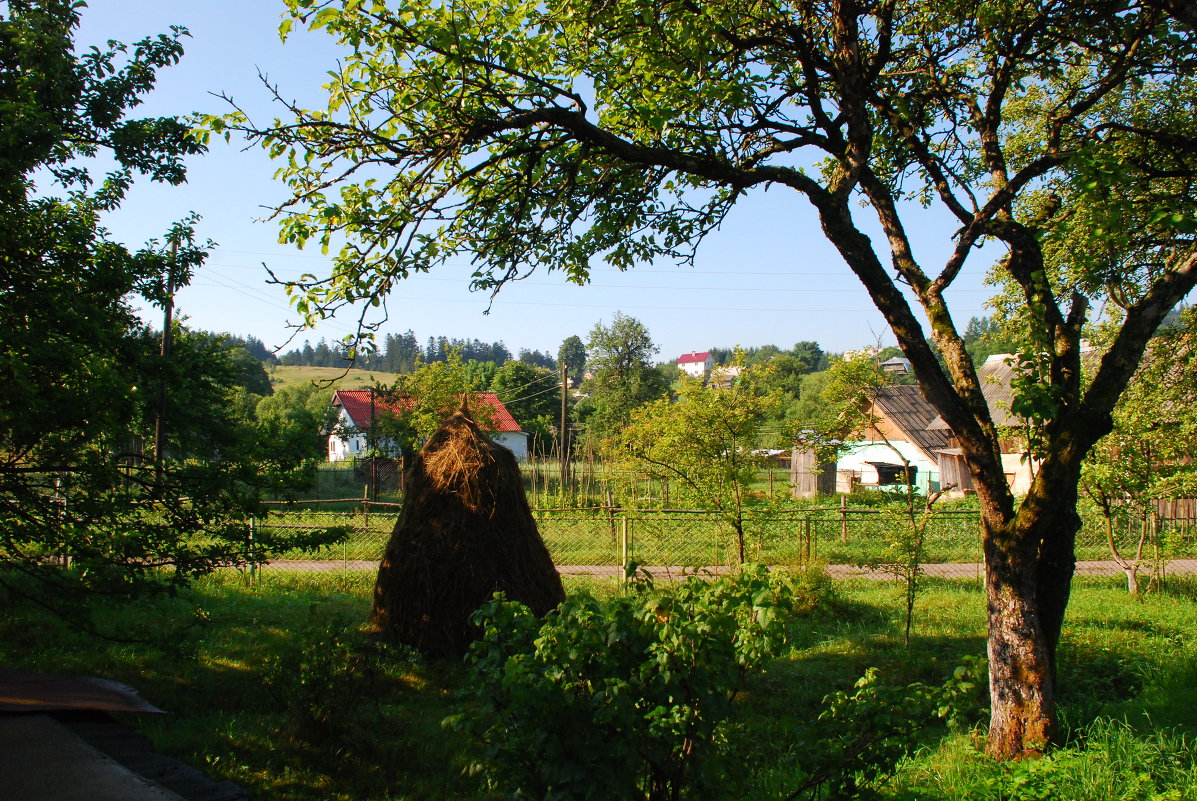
x=164, y=354
x=373, y=440
x=564, y=431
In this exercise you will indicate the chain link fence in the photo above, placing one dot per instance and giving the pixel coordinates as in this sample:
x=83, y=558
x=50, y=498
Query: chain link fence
x=603, y=540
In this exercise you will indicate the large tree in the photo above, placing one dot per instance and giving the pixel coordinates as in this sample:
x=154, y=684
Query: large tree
x=554, y=133
x=83, y=387
x=623, y=377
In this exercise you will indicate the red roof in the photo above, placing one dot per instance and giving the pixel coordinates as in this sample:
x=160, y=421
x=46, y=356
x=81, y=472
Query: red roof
x=694, y=358
x=357, y=405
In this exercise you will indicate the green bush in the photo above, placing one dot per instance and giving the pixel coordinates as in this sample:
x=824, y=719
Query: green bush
x=624, y=697
x=867, y=731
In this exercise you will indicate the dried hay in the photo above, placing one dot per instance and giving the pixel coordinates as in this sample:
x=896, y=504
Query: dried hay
x=465, y=532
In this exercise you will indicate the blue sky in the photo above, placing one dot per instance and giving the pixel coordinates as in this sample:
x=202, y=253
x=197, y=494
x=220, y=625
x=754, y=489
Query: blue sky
x=767, y=277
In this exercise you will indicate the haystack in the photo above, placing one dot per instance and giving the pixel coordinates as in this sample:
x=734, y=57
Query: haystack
x=465, y=532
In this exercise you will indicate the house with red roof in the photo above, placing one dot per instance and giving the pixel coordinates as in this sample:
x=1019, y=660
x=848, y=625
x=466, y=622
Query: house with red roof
x=357, y=409
x=697, y=365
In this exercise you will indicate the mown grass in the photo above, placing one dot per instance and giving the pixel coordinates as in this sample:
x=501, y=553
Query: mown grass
x=289, y=375
x=274, y=686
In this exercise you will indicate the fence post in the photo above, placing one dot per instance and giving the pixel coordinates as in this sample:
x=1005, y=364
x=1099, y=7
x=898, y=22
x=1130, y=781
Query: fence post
x=611, y=514
x=843, y=518
x=253, y=566
x=625, y=546
x=806, y=532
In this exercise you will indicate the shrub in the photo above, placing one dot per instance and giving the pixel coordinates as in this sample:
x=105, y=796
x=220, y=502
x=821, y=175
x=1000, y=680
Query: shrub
x=624, y=697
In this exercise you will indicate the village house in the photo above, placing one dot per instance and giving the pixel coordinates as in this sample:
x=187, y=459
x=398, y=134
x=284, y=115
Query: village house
x=899, y=433
x=358, y=408
x=696, y=365
x=725, y=376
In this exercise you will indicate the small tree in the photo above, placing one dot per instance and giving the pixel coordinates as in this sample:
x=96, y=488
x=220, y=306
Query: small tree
x=704, y=442
x=848, y=410
x=408, y=411
x=1150, y=455
x=572, y=354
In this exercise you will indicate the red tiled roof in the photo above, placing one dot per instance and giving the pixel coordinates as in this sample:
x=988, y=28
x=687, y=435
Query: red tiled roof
x=693, y=358
x=357, y=405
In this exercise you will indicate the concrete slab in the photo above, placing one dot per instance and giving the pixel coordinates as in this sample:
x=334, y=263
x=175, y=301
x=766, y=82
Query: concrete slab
x=40, y=760
x=22, y=691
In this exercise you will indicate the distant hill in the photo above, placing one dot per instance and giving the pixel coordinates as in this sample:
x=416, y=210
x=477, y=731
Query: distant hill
x=281, y=376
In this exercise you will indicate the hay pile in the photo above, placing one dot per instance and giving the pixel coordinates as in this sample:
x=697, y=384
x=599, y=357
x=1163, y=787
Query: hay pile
x=465, y=532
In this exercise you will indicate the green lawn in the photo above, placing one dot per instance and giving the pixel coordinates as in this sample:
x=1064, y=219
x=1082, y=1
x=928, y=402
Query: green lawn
x=273, y=686
x=283, y=376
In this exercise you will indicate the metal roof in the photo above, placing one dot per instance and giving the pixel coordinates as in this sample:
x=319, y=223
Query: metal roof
x=997, y=385
x=906, y=408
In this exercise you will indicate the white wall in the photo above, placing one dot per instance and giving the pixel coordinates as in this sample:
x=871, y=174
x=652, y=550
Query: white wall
x=514, y=441
x=875, y=451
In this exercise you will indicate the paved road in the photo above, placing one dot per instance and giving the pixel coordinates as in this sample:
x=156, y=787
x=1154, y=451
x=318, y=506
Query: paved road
x=963, y=570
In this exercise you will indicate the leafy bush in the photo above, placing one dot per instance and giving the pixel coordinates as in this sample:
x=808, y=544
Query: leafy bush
x=624, y=697
x=869, y=729
x=329, y=686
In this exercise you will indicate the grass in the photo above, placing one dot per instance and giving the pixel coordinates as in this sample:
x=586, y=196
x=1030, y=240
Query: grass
x=274, y=686
x=285, y=376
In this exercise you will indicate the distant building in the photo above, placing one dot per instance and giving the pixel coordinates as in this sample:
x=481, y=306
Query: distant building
x=696, y=365
x=901, y=433
x=725, y=375
x=897, y=366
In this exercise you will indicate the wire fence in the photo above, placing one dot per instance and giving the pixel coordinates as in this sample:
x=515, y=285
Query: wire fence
x=605, y=539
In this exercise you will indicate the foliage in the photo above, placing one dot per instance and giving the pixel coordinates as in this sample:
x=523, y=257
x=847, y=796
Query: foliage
x=1058, y=133
x=296, y=418
x=533, y=396
x=838, y=404
x=984, y=337
x=81, y=380
x=572, y=354
x=408, y=411
x=707, y=442
x=623, y=374
x=868, y=730
x=619, y=698
x=1149, y=455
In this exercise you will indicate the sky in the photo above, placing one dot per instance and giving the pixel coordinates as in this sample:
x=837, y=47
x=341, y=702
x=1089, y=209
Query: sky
x=766, y=277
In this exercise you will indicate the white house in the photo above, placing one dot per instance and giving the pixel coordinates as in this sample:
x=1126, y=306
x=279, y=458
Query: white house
x=358, y=408
x=697, y=365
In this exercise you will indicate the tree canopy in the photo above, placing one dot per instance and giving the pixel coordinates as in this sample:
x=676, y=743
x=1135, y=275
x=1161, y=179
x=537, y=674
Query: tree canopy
x=548, y=135
x=622, y=373
x=81, y=380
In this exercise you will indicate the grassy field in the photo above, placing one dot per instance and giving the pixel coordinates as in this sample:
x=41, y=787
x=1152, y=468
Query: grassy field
x=282, y=376
x=274, y=686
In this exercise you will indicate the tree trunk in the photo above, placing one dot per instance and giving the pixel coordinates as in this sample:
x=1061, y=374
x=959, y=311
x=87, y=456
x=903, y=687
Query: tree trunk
x=1029, y=563
x=1021, y=685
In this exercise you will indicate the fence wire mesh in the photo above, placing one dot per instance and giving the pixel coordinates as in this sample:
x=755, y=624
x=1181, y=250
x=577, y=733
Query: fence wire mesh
x=853, y=541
